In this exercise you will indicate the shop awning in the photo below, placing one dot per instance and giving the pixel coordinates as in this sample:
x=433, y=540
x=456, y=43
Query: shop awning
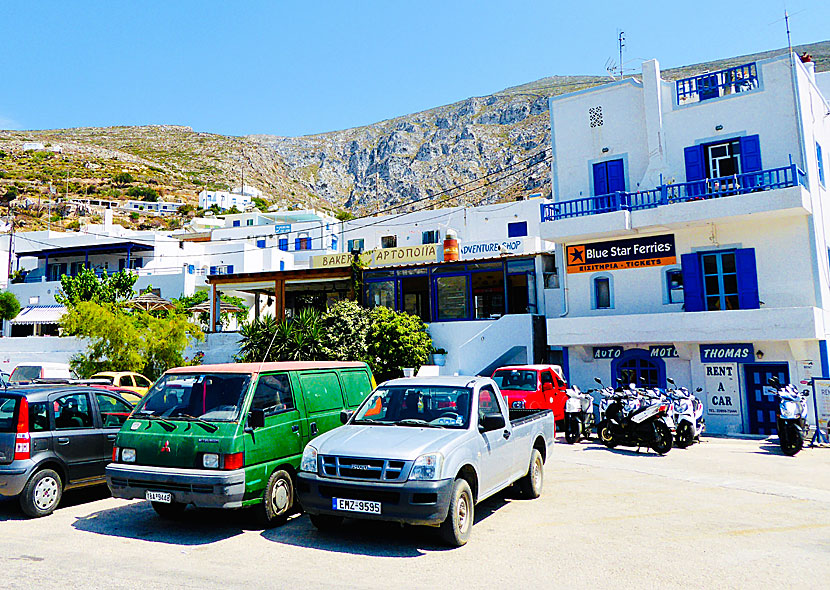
x=40, y=314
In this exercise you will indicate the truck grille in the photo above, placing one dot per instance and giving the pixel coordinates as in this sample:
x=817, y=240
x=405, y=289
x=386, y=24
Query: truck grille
x=365, y=469
x=162, y=486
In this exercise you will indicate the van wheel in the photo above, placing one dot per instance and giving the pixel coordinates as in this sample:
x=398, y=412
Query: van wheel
x=41, y=494
x=278, y=500
x=325, y=522
x=171, y=511
x=455, y=530
x=531, y=484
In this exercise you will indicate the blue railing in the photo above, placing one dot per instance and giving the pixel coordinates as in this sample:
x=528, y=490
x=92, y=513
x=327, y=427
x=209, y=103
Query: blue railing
x=714, y=84
x=666, y=194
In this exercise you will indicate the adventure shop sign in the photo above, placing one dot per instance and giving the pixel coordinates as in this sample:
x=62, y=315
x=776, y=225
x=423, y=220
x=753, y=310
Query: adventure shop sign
x=622, y=254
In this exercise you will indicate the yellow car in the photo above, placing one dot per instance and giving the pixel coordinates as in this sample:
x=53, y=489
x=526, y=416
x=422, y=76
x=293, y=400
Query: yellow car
x=139, y=384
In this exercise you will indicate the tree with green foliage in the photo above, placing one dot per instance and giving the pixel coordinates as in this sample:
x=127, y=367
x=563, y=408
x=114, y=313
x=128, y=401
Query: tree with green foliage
x=122, y=178
x=346, y=325
x=9, y=306
x=396, y=340
x=343, y=215
x=87, y=286
x=260, y=203
x=145, y=193
x=234, y=210
x=121, y=340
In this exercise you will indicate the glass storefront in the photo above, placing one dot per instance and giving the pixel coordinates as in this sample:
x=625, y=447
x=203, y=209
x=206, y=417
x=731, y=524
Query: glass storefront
x=477, y=290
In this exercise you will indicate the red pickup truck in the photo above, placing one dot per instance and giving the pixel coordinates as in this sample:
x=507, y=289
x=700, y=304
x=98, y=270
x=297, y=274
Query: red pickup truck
x=537, y=387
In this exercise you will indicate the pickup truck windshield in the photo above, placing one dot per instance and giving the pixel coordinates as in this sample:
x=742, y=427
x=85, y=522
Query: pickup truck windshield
x=515, y=379
x=413, y=405
x=216, y=397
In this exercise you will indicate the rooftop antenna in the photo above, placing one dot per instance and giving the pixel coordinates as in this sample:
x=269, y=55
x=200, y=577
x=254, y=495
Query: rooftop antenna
x=621, y=40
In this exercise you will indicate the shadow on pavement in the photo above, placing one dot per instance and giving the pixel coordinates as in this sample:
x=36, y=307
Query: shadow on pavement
x=771, y=447
x=138, y=520
x=375, y=538
x=631, y=451
x=10, y=507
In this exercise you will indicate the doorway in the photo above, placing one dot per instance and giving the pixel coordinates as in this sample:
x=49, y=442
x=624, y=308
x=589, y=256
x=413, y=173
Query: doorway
x=761, y=404
x=637, y=366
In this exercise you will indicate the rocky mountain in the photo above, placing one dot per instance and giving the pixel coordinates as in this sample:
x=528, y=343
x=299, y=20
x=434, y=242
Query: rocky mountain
x=483, y=143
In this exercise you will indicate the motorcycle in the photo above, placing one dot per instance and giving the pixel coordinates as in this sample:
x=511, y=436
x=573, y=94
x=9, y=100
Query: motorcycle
x=579, y=415
x=687, y=412
x=791, y=418
x=644, y=426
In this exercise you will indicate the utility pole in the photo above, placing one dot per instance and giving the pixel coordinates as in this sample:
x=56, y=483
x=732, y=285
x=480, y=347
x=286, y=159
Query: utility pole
x=622, y=45
x=11, y=241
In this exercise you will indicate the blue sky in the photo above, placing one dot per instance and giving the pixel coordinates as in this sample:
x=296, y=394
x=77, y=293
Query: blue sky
x=293, y=68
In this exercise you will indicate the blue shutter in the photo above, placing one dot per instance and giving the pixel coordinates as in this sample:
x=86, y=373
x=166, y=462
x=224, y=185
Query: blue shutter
x=284, y=244
x=230, y=269
x=212, y=270
x=747, y=279
x=517, y=229
x=600, y=179
x=692, y=283
x=751, y=159
x=260, y=243
x=236, y=223
x=616, y=176
x=297, y=244
x=695, y=169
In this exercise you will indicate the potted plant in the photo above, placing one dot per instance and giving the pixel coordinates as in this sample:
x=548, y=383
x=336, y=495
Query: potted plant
x=439, y=356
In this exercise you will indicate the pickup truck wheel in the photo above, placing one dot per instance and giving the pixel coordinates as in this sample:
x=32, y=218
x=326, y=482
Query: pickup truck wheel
x=325, y=522
x=42, y=493
x=531, y=484
x=278, y=500
x=455, y=530
x=172, y=511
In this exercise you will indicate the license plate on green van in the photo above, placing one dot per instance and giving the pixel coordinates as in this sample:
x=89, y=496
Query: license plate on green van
x=163, y=497
x=355, y=505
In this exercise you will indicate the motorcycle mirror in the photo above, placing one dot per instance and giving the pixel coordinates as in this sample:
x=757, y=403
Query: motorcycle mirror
x=670, y=380
x=598, y=380
x=699, y=389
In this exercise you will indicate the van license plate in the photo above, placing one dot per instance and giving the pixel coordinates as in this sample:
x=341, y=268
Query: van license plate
x=163, y=497
x=355, y=505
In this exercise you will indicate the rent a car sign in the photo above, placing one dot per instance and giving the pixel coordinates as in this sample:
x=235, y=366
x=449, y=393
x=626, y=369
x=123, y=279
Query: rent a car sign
x=621, y=254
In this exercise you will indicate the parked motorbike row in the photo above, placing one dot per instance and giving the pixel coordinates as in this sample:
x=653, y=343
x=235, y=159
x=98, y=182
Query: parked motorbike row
x=656, y=418
x=632, y=416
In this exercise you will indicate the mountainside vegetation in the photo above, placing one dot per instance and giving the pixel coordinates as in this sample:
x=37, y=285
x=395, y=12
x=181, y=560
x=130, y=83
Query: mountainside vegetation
x=348, y=172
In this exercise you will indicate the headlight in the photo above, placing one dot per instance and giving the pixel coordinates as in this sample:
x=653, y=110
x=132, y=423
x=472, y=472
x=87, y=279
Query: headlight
x=210, y=460
x=427, y=467
x=309, y=461
x=128, y=455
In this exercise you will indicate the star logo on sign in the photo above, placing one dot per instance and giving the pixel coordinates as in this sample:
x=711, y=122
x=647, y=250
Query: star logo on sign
x=577, y=254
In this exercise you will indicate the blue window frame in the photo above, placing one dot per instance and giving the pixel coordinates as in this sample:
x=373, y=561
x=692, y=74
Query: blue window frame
x=334, y=242
x=236, y=223
x=517, y=229
x=260, y=243
x=303, y=243
x=820, y=162
x=282, y=243
x=249, y=222
x=602, y=298
x=353, y=245
x=674, y=285
x=720, y=280
x=430, y=237
x=609, y=177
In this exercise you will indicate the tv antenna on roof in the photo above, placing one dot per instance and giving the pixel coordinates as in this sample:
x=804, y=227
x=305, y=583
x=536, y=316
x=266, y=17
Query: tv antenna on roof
x=621, y=40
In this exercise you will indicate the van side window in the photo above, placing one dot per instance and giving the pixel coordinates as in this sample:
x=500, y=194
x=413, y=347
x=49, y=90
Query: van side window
x=357, y=386
x=322, y=391
x=273, y=394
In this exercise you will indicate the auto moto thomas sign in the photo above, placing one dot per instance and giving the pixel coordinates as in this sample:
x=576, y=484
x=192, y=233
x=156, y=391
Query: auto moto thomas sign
x=622, y=254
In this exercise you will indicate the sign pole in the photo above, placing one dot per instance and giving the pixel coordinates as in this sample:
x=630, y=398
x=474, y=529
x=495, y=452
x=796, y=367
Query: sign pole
x=819, y=437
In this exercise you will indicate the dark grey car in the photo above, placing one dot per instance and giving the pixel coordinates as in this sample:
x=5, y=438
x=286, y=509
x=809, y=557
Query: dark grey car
x=53, y=438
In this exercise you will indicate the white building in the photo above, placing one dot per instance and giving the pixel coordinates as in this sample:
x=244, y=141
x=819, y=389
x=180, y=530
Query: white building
x=224, y=199
x=154, y=208
x=690, y=225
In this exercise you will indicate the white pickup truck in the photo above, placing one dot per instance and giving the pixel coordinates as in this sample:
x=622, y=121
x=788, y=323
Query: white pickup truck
x=424, y=451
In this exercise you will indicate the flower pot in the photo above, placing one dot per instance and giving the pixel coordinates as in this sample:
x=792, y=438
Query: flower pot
x=439, y=359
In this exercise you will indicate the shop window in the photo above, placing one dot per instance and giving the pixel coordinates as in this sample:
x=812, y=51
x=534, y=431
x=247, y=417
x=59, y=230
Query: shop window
x=488, y=294
x=353, y=245
x=451, y=298
x=389, y=242
x=380, y=294
x=517, y=229
x=820, y=162
x=430, y=237
x=674, y=285
x=602, y=292
x=415, y=296
x=720, y=280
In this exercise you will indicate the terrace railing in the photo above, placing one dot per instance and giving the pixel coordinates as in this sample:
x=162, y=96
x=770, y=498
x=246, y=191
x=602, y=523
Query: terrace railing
x=716, y=84
x=666, y=194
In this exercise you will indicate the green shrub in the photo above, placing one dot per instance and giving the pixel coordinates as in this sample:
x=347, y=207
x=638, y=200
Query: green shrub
x=9, y=306
x=123, y=178
x=396, y=340
x=144, y=193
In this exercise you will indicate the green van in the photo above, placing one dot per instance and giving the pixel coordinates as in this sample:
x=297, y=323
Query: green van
x=232, y=435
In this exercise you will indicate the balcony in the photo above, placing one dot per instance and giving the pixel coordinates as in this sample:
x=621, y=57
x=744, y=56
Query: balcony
x=667, y=194
x=717, y=84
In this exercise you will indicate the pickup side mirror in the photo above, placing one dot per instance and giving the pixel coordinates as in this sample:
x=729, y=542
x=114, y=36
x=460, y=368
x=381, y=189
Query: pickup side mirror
x=256, y=418
x=345, y=415
x=547, y=386
x=492, y=421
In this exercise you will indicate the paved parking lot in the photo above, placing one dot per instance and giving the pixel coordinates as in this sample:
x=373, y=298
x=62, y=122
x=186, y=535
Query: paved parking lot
x=725, y=513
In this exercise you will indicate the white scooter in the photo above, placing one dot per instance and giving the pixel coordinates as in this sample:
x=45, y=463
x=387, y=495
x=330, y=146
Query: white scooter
x=687, y=412
x=579, y=415
x=791, y=418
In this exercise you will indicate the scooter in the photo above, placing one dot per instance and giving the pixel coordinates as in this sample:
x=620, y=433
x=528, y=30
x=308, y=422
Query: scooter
x=791, y=419
x=688, y=415
x=645, y=426
x=579, y=415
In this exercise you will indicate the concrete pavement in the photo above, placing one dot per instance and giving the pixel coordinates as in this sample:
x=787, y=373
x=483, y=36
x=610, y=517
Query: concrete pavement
x=724, y=513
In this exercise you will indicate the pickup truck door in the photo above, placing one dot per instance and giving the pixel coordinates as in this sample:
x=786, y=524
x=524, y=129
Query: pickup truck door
x=495, y=448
